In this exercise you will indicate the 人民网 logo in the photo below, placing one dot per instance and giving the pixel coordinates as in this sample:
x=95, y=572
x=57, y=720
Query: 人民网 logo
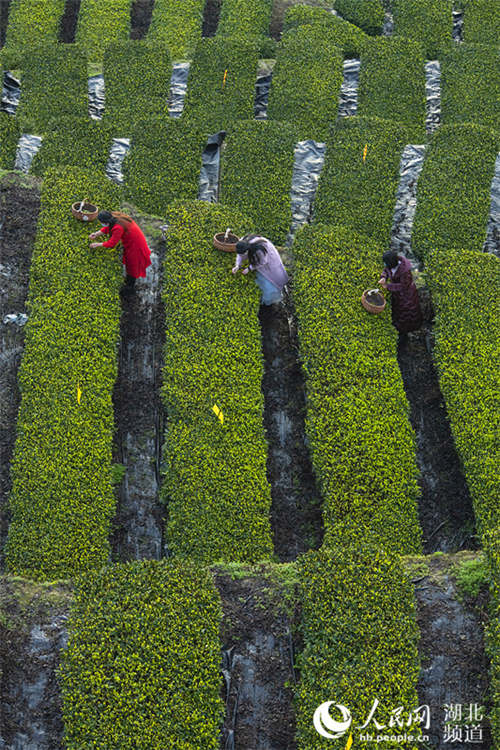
x=328, y=727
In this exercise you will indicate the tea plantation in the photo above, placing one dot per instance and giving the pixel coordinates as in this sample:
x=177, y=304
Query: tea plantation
x=143, y=659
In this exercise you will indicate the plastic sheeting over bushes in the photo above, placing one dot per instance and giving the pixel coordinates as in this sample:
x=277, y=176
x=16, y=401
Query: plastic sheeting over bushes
x=26, y=149
x=458, y=23
x=96, y=97
x=309, y=159
x=18, y=318
x=11, y=93
x=412, y=161
x=262, y=96
x=492, y=243
x=348, y=98
x=178, y=88
x=433, y=95
x=117, y=154
x=388, y=25
x=210, y=168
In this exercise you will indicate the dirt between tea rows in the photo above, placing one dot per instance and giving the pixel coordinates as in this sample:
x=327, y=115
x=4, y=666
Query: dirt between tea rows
x=19, y=207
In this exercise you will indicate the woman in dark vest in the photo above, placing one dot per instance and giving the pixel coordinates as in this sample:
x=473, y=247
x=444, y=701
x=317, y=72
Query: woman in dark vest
x=397, y=278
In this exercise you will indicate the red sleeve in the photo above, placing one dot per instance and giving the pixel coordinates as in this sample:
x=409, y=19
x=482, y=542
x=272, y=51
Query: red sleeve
x=116, y=235
x=104, y=230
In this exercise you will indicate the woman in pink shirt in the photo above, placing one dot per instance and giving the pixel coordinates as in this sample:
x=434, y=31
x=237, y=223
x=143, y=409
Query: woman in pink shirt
x=264, y=259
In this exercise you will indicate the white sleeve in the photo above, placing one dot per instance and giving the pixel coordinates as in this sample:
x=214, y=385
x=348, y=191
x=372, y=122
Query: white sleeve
x=240, y=257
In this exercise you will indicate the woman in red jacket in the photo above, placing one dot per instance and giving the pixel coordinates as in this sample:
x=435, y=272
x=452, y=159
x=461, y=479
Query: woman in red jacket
x=136, y=253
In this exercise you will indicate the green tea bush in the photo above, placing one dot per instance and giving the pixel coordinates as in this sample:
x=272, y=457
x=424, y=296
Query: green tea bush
x=163, y=163
x=429, y=22
x=62, y=500
x=137, y=83
x=492, y=629
x=221, y=84
x=267, y=47
x=356, y=193
x=245, y=17
x=360, y=641
x=306, y=81
x=472, y=576
x=33, y=22
x=10, y=132
x=141, y=669
x=298, y=15
x=347, y=36
x=361, y=441
x=217, y=495
x=177, y=25
x=101, y=22
x=392, y=84
x=470, y=85
x=256, y=175
x=453, y=190
x=65, y=66
x=467, y=353
x=72, y=141
x=482, y=22
x=367, y=14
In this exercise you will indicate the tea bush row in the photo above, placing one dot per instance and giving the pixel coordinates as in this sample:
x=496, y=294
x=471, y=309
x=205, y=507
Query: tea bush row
x=356, y=193
x=470, y=85
x=141, y=669
x=73, y=141
x=361, y=441
x=306, y=81
x=467, y=353
x=177, y=26
x=392, y=84
x=62, y=499
x=346, y=36
x=256, y=175
x=429, y=22
x=10, y=132
x=482, y=22
x=101, y=22
x=360, y=641
x=464, y=288
x=492, y=629
x=137, y=83
x=453, y=190
x=367, y=14
x=221, y=83
x=33, y=22
x=215, y=486
x=65, y=66
x=245, y=17
x=163, y=163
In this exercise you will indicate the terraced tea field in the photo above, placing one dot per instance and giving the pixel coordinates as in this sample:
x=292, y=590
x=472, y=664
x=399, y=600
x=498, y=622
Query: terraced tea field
x=225, y=526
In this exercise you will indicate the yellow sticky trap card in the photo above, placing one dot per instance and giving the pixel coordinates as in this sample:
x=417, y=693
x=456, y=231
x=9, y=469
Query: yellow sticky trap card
x=349, y=743
x=365, y=151
x=224, y=79
x=78, y=393
x=218, y=413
